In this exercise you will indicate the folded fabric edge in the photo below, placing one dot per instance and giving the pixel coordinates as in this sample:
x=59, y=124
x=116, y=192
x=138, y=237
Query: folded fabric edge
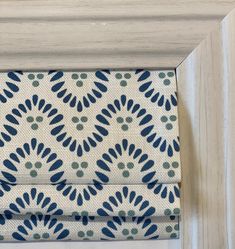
x=67, y=228
x=90, y=200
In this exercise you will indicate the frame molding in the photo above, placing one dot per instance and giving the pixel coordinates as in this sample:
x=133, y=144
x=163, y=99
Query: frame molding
x=207, y=120
x=37, y=35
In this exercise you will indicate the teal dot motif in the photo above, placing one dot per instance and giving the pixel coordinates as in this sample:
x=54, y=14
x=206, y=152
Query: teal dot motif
x=81, y=234
x=167, y=82
x=164, y=119
x=84, y=213
x=80, y=173
x=84, y=119
x=125, y=127
x=134, y=231
x=31, y=76
x=170, y=167
x=120, y=120
x=169, y=121
x=127, y=76
x=125, y=231
x=166, y=165
x=28, y=165
x=171, y=173
x=118, y=76
x=34, y=121
x=167, y=212
x=86, y=235
x=84, y=165
x=75, y=214
x=79, y=83
x=79, y=127
x=172, y=230
x=175, y=165
x=131, y=213
x=45, y=235
x=34, y=126
x=166, y=77
x=130, y=233
x=40, y=76
x=173, y=235
x=74, y=76
x=35, y=83
x=39, y=119
x=169, y=229
x=33, y=173
x=129, y=120
x=83, y=76
x=121, y=165
x=75, y=119
x=1, y=237
x=75, y=165
x=36, y=236
x=130, y=165
x=79, y=78
x=125, y=168
x=130, y=238
x=125, y=173
x=176, y=211
x=80, y=168
x=123, y=77
x=173, y=118
x=169, y=126
x=162, y=75
x=38, y=165
x=124, y=122
x=122, y=213
x=79, y=122
x=90, y=233
x=33, y=168
x=123, y=83
x=35, y=78
x=30, y=119
x=170, y=74
x=176, y=227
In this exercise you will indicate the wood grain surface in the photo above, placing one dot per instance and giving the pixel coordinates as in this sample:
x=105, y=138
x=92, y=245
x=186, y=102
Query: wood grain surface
x=115, y=34
x=127, y=34
x=207, y=121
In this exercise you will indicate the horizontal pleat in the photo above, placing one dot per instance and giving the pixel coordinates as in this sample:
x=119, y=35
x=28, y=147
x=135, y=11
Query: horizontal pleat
x=39, y=227
x=91, y=200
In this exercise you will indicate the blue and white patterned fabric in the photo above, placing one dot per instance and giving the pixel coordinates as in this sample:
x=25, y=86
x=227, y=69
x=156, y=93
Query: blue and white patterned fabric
x=90, y=155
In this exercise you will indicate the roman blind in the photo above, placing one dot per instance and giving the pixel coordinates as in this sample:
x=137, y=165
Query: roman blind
x=89, y=155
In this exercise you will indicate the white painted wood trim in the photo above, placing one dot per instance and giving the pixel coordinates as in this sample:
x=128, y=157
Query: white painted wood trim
x=207, y=121
x=71, y=34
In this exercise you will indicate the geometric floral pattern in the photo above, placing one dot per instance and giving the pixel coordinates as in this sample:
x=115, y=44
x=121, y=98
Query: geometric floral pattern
x=92, y=155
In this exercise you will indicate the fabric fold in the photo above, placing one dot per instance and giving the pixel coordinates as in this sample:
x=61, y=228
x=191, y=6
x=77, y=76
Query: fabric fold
x=44, y=228
x=92, y=200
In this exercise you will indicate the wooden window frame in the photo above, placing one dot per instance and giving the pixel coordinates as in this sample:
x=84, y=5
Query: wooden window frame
x=186, y=35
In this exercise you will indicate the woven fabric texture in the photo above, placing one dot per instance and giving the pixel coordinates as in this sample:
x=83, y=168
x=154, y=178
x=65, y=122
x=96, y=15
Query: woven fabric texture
x=90, y=155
